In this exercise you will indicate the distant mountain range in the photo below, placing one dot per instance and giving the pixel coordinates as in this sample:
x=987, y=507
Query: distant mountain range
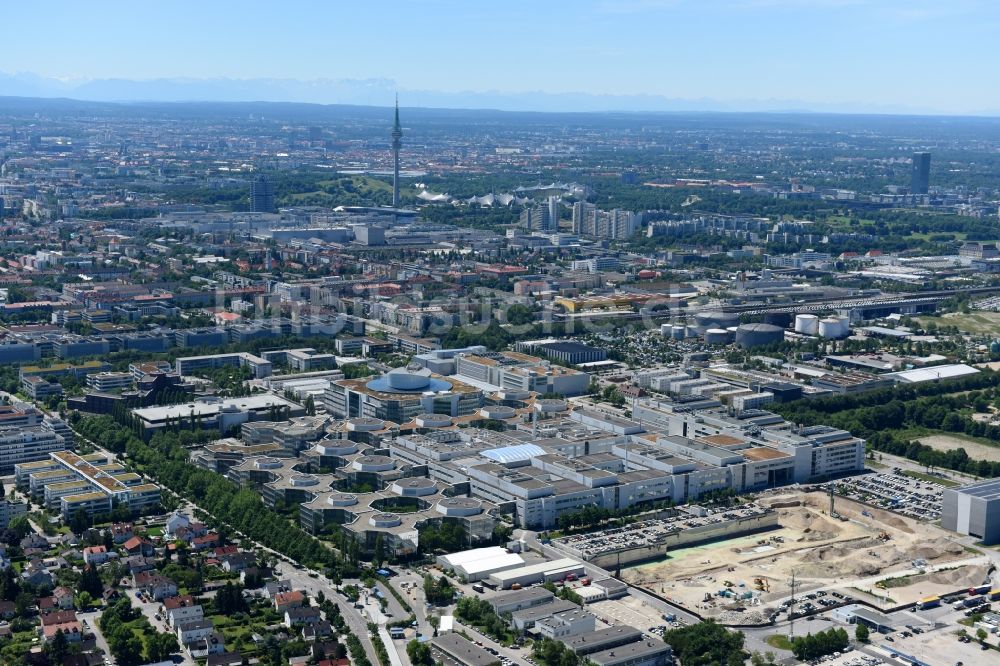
x=380, y=92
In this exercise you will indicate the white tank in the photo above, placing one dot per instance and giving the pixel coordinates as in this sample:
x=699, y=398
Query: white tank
x=665, y=330
x=678, y=332
x=807, y=324
x=829, y=328
x=844, y=324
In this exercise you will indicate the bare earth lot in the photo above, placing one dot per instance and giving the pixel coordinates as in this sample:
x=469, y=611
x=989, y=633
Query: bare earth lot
x=821, y=551
x=975, y=450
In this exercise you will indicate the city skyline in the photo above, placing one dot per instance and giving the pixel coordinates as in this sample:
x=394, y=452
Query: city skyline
x=637, y=55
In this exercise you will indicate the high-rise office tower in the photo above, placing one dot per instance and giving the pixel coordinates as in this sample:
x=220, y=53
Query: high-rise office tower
x=397, y=143
x=262, y=194
x=920, y=176
x=554, y=213
x=535, y=218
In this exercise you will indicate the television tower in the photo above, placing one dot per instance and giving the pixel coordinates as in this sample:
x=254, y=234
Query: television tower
x=397, y=143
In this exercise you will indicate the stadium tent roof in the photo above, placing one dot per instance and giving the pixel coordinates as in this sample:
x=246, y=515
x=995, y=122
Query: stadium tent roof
x=516, y=453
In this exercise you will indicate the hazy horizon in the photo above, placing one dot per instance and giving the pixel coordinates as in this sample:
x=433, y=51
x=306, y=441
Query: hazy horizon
x=841, y=56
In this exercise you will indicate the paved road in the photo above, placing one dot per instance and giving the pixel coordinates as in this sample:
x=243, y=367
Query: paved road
x=90, y=620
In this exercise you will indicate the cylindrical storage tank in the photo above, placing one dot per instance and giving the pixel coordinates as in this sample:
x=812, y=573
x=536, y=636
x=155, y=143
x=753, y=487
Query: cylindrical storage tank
x=665, y=329
x=707, y=320
x=844, y=326
x=717, y=336
x=677, y=332
x=807, y=324
x=758, y=335
x=829, y=328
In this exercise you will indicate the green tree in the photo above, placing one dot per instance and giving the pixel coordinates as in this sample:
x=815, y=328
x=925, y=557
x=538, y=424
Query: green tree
x=56, y=650
x=861, y=633
x=419, y=653
x=378, y=556
x=90, y=582
x=79, y=522
x=159, y=646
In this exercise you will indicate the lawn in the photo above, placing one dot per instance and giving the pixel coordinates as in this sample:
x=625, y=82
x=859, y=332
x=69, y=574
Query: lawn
x=779, y=642
x=947, y=483
x=981, y=322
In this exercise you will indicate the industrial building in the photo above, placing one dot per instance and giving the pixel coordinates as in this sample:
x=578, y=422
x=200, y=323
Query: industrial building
x=452, y=649
x=402, y=394
x=517, y=371
x=973, y=510
x=479, y=563
x=258, y=367
x=223, y=414
x=540, y=572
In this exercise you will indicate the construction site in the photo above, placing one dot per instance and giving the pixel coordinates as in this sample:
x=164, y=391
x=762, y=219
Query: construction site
x=745, y=580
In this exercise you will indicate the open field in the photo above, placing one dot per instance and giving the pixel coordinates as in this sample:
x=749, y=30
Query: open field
x=821, y=551
x=976, y=450
x=981, y=322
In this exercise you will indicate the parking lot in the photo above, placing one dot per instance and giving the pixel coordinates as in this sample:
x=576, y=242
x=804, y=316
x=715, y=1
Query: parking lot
x=900, y=494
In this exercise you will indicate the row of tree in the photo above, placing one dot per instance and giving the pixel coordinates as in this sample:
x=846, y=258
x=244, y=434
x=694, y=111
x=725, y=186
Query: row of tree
x=814, y=646
x=165, y=459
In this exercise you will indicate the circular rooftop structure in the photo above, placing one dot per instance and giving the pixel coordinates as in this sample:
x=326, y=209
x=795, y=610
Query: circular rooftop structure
x=302, y=480
x=365, y=424
x=499, y=412
x=513, y=394
x=336, y=447
x=459, y=506
x=411, y=379
x=414, y=487
x=433, y=421
x=550, y=405
x=342, y=499
x=384, y=520
x=267, y=463
x=372, y=464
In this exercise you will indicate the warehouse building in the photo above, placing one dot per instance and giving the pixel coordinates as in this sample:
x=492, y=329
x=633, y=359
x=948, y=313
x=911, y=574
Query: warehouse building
x=535, y=573
x=478, y=563
x=973, y=510
x=451, y=649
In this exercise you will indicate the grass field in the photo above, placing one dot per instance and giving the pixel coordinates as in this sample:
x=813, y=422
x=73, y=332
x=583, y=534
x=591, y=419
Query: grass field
x=982, y=323
x=779, y=641
x=947, y=483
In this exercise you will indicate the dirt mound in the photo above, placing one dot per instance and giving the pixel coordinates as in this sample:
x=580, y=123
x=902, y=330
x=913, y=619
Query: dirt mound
x=807, y=522
x=937, y=548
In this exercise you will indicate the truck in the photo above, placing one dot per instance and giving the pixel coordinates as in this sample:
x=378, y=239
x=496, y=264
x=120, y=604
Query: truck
x=670, y=617
x=973, y=601
x=982, y=589
x=477, y=587
x=928, y=602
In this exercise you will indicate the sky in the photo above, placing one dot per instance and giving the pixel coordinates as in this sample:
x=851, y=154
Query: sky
x=925, y=55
